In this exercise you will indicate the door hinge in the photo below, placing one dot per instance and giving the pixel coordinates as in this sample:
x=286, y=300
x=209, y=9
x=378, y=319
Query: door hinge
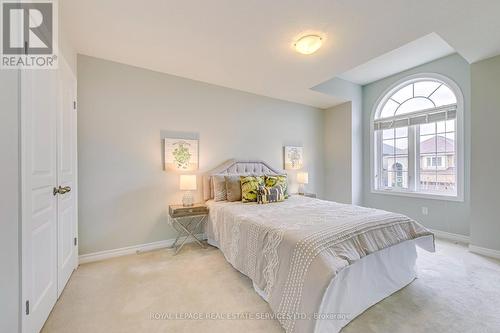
x=74, y=105
x=76, y=241
x=27, y=307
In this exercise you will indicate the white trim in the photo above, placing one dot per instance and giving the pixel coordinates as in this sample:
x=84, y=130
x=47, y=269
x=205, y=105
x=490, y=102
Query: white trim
x=459, y=142
x=421, y=195
x=123, y=251
x=447, y=112
x=450, y=236
x=484, y=251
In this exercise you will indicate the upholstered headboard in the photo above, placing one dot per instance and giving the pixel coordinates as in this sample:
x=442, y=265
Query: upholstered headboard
x=237, y=167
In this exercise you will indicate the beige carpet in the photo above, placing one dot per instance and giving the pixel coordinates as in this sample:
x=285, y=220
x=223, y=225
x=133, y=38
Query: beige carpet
x=456, y=292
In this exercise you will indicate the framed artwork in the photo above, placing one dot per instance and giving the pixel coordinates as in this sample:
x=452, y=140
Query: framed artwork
x=181, y=154
x=293, y=157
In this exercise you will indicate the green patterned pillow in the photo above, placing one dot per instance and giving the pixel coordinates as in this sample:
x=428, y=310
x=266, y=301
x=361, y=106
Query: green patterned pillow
x=249, y=187
x=278, y=180
x=270, y=194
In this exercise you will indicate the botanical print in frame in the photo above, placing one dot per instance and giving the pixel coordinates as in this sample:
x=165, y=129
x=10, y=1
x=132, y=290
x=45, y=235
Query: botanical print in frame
x=293, y=157
x=181, y=154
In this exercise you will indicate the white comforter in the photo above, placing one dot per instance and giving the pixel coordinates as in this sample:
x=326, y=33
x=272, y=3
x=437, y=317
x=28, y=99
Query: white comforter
x=291, y=250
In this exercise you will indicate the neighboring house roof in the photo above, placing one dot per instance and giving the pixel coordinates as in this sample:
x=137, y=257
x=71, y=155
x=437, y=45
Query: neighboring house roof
x=389, y=150
x=429, y=146
x=433, y=144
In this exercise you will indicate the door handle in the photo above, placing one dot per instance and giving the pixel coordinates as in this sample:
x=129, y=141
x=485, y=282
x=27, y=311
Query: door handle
x=61, y=190
x=65, y=189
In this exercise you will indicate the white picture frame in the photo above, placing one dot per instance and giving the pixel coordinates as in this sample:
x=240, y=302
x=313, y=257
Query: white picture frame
x=181, y=154
x=293, y=157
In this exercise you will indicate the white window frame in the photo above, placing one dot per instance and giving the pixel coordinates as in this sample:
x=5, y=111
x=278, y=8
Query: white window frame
x=413, y=132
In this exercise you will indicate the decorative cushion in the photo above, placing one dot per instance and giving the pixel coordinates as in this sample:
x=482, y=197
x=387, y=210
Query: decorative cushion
x=219, y=186
x=233, y=188
x=281, y=180
x=249, y=187
x=270, y=194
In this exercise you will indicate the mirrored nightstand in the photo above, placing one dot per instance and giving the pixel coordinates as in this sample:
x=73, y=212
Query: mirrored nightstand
x=186, y=221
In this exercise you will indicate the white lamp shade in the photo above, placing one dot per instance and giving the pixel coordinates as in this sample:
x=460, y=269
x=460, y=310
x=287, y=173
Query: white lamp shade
x=303, y=178
x=188, y=183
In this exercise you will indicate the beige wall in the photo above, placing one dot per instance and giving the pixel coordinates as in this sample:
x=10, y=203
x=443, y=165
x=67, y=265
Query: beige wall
x=124, y=192
x=338, y=154
x=485, y=198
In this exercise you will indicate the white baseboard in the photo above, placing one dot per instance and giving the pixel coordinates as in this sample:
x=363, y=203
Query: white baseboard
x=107, y=254
x=450, y=236
x=485, y=251
x=466, y=239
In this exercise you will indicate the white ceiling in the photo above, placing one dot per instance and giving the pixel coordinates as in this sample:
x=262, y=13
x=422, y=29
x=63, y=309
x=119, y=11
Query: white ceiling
x=413, y=54
x=247, y=45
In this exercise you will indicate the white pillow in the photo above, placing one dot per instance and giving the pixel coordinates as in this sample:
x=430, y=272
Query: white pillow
x=219, y=186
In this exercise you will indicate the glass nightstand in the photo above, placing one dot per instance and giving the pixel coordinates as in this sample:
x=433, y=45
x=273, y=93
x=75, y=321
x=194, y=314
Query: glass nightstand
x=186, y=220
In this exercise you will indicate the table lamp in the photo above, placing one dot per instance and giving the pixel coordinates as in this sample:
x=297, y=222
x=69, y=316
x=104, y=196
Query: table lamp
x=187, y=184
x=302, y=179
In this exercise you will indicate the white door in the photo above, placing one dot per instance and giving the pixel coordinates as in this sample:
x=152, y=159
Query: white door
x=66, y=173
x=39, y=205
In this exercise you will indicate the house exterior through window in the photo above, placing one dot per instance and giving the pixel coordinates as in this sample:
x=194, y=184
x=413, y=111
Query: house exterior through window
x=417, y=146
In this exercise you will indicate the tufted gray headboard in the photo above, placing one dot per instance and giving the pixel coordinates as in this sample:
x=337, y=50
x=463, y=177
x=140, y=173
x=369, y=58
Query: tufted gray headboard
x=237, y=167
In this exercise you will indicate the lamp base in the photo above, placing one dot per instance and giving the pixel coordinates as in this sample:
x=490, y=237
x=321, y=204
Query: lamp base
x=187, y=199
x=302, y=189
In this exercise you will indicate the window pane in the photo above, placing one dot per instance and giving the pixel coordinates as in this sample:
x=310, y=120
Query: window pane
x=428, y=129
x=388, y=163
x=389, y=109
x=427, y=144
x=401, y=164
x=440, y=143
x=388, y=147
x=443, y=96
x=388, y=134
x=446, y=183
x=398, y=179
x=415, y=104
x=401, y=146
x=427, y=181
x=396, y=163
x=427, y=163
x=385, y=179
x=401, y=179
x=449, y=163
x=425, y=88
x=450, y=125
x=450, y=142
x=403, y=94
x=441, y=127
x=401, y=132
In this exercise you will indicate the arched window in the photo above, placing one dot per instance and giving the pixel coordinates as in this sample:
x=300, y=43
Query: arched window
x=417, y=138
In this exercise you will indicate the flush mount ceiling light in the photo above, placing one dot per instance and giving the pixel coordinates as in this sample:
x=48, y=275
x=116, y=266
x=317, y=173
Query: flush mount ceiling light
x=308, y=44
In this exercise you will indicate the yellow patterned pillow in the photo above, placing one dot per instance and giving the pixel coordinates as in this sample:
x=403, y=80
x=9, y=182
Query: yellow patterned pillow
x=249, y=187
x=280, y=180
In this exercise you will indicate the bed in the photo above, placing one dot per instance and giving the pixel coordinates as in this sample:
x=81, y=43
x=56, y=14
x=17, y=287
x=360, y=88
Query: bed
x=318, y=264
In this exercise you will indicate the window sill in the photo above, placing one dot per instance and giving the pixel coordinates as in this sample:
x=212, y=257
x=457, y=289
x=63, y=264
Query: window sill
x=420, y=195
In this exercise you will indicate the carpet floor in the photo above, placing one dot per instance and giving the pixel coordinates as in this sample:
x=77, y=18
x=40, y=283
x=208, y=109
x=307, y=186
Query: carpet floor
x=456, y=291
